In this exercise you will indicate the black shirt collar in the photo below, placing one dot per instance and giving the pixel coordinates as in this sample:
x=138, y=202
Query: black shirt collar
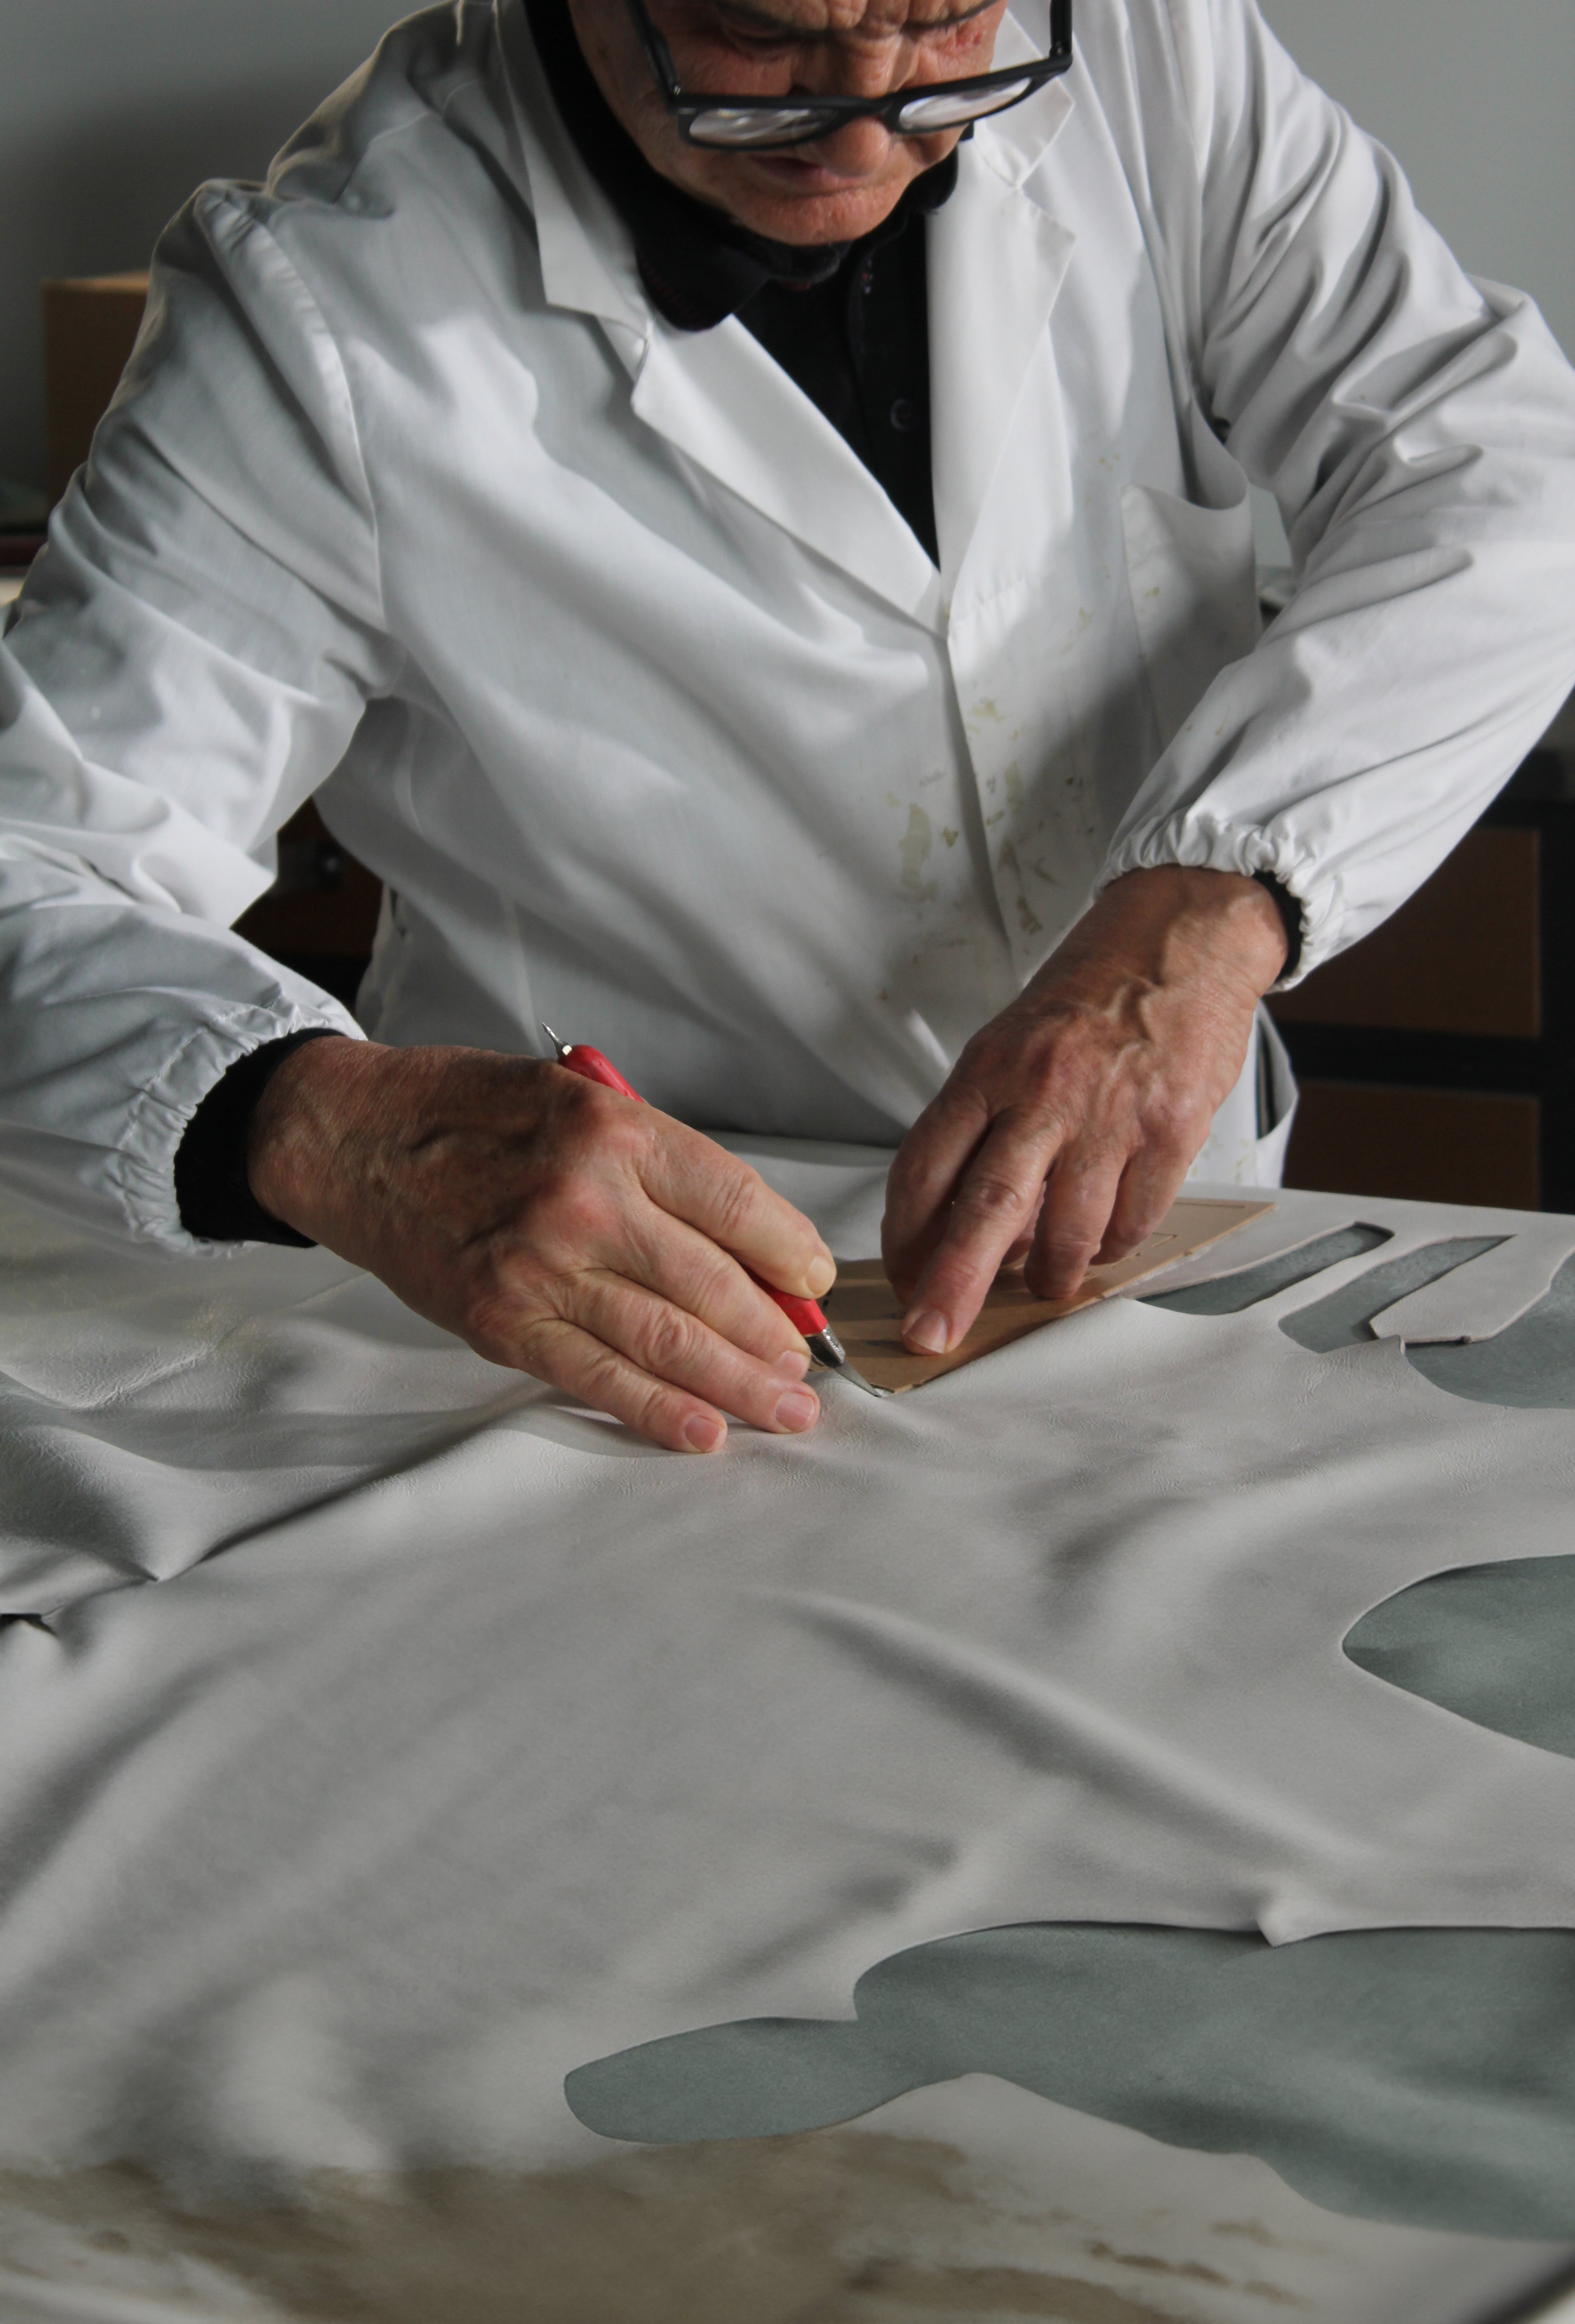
x=697, y=266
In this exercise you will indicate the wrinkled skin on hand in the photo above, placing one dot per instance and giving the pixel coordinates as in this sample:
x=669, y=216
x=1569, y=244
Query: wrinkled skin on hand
x=1069, y=1122
x=554, y=1225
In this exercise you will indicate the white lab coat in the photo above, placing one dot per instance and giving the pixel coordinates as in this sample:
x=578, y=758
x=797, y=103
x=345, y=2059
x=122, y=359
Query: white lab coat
x=615, y=663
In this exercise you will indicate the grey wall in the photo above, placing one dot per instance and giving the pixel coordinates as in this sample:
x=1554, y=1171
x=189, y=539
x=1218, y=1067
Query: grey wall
x=111, y=110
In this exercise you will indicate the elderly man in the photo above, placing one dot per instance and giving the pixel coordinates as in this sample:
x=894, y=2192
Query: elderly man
x=740, y=510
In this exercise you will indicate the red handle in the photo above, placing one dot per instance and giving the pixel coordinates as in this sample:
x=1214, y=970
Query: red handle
x=592, y=1066
x=804, y=1314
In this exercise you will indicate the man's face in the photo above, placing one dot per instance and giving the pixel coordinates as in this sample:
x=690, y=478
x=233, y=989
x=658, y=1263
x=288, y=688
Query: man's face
x=839, y=187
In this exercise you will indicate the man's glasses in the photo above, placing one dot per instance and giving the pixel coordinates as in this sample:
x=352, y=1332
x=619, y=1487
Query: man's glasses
x=924, y=111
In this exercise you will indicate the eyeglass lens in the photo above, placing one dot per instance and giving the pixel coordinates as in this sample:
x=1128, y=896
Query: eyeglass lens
x=923, y=114
x=920, y=117
x=733, y=125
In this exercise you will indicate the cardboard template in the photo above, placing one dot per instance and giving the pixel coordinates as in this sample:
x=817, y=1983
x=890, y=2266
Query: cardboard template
x=866, y=1313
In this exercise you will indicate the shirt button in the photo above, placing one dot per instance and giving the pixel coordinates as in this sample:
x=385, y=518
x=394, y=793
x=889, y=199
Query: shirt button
x=904, y=414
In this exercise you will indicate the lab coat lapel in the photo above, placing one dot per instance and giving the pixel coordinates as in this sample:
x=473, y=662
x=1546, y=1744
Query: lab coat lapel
x=721, y=400
x=997, y=260
x=716, y=396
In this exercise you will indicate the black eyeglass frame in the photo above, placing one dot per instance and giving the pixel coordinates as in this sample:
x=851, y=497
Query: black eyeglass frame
x=835, y=111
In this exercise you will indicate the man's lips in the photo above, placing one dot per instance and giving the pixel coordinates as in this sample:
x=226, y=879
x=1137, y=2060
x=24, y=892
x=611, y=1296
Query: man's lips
x=807, y=177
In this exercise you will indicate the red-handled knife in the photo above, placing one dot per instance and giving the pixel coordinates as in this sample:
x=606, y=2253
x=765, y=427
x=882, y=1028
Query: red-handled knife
x=804, y=1314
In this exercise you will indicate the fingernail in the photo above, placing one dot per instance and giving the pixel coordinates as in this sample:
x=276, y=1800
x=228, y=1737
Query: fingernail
x=820, y=1275
x=929, y=1331
x=704, y=1432
x=799, y=1408
x=792, y=1363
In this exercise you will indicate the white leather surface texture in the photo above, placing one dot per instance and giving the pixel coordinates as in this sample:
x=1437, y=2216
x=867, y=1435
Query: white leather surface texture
x=1478, y=1301
x=464, y=1738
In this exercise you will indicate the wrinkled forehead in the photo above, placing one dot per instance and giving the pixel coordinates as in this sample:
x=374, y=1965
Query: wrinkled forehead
x=869, y=18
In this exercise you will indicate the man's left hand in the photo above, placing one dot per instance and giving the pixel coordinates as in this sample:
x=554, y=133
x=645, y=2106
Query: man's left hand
x=1070, y=1121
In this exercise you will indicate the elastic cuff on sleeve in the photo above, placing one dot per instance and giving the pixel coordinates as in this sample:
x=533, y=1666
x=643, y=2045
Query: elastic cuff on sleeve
x=1311, y=902
x=211, y=1189
x=139, y=1170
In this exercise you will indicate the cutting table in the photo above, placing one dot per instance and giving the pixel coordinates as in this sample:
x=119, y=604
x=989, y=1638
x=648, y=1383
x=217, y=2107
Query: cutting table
x=1093, y=1838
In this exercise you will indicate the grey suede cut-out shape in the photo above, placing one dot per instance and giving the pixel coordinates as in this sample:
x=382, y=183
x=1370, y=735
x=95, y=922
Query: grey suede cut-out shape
x=1228, y=1295
x=1489, y=1642
x=1341, y=1320
x=1530, y=1363
x=1421, y=2076
x=759, y=2078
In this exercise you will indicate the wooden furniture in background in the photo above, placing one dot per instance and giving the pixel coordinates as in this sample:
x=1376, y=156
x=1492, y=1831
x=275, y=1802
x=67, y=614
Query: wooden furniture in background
x=320, y=914
x=1437, y=1057
x=1424, y=1144
x=1464, y=955
x=89, y=326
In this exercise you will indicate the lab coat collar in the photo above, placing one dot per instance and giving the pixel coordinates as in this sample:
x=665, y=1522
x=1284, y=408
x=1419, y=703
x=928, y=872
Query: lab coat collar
x=587, y=263
x=719, y=398
x=1014, y=142
x=587, y=258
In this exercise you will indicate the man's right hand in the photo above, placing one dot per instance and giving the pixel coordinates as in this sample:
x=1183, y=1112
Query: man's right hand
x=554, y=1226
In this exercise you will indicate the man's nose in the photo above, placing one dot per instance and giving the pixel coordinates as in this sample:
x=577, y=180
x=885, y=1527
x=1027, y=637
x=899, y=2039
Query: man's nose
x=860, y=149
